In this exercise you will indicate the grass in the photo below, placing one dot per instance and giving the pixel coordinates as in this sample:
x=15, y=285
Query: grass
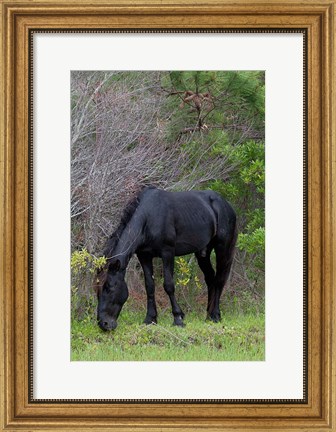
x=239, y=337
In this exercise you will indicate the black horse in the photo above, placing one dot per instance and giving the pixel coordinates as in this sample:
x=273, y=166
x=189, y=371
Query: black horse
x=165, y=224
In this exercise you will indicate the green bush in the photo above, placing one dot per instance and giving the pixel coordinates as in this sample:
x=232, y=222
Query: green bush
x=187, y=281
x=83, y=268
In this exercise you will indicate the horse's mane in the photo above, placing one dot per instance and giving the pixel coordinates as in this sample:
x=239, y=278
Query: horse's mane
x=126, y=216
x=113, y=240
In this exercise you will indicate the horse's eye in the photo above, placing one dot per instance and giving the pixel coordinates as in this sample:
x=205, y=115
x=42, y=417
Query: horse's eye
x=108, y=288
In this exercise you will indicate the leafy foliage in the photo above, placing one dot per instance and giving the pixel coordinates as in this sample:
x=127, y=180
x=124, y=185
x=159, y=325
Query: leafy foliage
x=83, y=260
x=83, y=267
x=187, y=281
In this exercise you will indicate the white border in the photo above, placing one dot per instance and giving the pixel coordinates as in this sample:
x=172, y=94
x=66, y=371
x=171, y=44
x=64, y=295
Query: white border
x=280, y=376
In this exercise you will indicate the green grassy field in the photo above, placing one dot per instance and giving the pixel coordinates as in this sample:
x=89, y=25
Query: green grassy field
x=239, y=336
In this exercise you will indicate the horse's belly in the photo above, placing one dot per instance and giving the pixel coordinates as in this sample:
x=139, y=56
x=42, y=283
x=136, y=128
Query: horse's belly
x=185, y=249
x=191, y=243
x=194, y=230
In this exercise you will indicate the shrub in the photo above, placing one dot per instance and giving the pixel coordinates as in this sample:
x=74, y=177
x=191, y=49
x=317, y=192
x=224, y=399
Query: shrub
x=187, y=281
x=83, y=268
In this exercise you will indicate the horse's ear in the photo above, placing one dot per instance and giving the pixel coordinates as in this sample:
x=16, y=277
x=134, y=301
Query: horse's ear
x=115, y=265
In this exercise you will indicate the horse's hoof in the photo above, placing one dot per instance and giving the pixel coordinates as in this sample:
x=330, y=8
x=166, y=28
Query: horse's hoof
x=150, y=321
x=214, y=318
x=178, y=321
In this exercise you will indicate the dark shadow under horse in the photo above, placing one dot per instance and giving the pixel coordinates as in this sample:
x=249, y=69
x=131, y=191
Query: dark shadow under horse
x=165, y=224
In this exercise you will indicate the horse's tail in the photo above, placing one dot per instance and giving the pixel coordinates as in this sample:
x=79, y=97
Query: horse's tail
x=232, y=234
x=231, y=248
x=226, y=235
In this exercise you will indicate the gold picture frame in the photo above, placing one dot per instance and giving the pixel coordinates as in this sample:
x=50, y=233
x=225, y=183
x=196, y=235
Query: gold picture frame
x=18, y=411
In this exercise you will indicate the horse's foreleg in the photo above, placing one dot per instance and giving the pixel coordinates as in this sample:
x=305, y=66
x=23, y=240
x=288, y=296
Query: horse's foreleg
x=146, y=262
x=209, y=276
x=168, y=274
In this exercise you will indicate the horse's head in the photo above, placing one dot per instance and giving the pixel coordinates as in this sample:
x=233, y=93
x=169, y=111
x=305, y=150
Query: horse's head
x=112, y=293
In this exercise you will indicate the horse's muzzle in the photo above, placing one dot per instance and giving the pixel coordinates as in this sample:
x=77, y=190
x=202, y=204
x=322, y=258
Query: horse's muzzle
x=107, y=325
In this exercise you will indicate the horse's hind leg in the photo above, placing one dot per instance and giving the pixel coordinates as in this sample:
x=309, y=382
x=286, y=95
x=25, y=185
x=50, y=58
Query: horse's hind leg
x=209, y=276
x=146, y=262
x=168, y=274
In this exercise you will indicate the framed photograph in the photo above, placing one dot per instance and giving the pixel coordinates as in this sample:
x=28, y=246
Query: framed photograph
x=168, y=216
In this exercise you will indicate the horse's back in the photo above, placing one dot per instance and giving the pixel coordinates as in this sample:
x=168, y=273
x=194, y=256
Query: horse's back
x=187, y=220
x=164, y=203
